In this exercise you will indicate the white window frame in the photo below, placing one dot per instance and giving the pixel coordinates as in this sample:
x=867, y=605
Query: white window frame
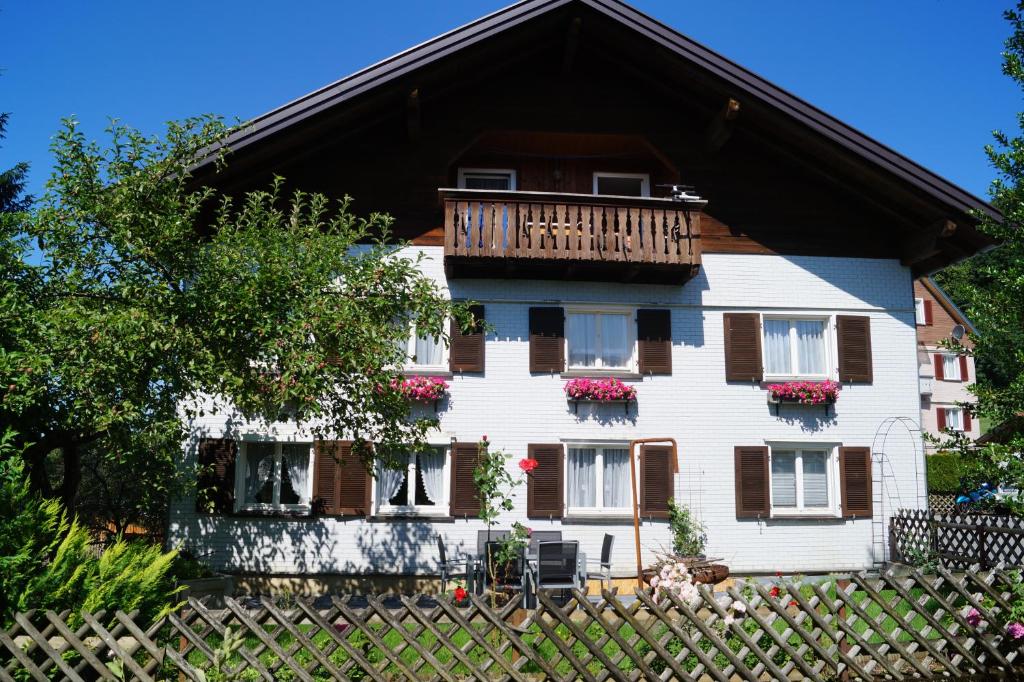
x=629, y=313
x=241, y=468
x=645, y=178
x=919, y=317
x=832, y=472
x=954, y=361
x=600, y=509
x=959, y=412
x=827, y=338
x=384, y=508
x=510, y=172
x=412, y=367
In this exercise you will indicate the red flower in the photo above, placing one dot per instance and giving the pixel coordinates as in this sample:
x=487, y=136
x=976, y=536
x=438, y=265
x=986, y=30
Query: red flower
x=460, y=593
x=774, y=591
x=792, y=602
x=528, y=465
x=778, y=574
x=484, y=438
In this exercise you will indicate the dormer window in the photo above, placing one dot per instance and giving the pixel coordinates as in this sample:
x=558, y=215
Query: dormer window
x=622, y=184
x=500, y=179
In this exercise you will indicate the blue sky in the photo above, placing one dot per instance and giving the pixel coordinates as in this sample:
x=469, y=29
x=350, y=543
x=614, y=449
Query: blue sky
x=922, y=76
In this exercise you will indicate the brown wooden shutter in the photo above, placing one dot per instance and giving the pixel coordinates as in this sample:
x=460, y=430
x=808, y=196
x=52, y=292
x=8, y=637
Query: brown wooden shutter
x=656, y=479
x=752, y=499
x=855, y=481
x=654, y=340
x=940, y=418
x=464, y=500
x=928, y=312
x=341, y=483
x=216, y=481
x=742, y=347
x=963, y=368
x=967, y=420
x=545, y=484
x=853, y=333
x=466, y=353
x=940, y=373
x=547, y=340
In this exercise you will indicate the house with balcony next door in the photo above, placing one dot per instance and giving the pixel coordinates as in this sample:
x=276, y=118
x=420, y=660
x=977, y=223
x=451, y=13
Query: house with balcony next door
x=619, y=202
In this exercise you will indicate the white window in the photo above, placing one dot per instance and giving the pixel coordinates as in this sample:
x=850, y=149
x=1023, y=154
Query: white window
x=795, y=347
x=487, y=178
x=600, y=339
x=919, y=310
x=950, y=367
x=803, y=480
x=954, y=418
x=597, y=480
x=419, y=487
x=427, y=352
x=274, y=476
x=622, y=184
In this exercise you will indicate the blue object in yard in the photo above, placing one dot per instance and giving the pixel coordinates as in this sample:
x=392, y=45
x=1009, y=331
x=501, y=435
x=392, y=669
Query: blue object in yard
x=984, y=492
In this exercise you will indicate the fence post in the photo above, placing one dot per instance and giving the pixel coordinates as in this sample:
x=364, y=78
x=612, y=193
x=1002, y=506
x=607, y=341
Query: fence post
x=982, y=550
x=933, y=534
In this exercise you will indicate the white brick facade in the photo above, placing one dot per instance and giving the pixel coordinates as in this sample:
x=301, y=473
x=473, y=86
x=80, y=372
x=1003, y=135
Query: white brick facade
x=707, y=416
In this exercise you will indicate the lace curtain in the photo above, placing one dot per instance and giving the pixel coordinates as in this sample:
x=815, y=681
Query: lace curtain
x=616, y=479
x=296, y=459
x=582, y=477
x=615, y=349
x=776, y=347
x=388, y=482
x=431, y=467
x=259, y=461
x=810, y=346
x=429, y=351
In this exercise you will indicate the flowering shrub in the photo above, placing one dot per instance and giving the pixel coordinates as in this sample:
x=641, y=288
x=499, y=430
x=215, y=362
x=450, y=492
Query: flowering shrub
x=1010, y=620
x=420, y=388
x=673, y=577
x=805, y=392
x=528, y=464
x=599, y=390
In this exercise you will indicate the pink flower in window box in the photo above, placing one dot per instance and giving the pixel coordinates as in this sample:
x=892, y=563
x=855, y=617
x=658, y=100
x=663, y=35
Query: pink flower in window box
x=599, y=390
x=805, y=392
x=421, y=388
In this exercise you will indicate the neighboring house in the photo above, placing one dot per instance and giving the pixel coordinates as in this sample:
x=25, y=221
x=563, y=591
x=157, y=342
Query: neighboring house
x=945, y=375
x=526, y=155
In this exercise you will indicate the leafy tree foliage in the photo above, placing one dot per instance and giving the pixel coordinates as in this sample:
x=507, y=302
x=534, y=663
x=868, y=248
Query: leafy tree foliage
x=153, y=292
x=991, y=289
x=12, y=180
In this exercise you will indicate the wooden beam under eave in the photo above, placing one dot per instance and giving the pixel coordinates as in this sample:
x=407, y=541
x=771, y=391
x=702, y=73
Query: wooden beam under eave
x=412, y=115
x=927, y=244
x=720, y=129
x=572, y=43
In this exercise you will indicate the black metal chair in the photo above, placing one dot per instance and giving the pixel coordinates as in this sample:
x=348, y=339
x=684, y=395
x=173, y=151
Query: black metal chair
x=449, y=567
x=604, y=570
x=539, y=536
x=503, y=575
x=557, y=566
x=485, y=536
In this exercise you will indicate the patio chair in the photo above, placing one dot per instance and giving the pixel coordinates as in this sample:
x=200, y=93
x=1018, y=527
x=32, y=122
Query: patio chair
x=484, y=536
x=603, y=572
x=556, y=566
x=507, y=575
x=449, y=567
x=539, y=536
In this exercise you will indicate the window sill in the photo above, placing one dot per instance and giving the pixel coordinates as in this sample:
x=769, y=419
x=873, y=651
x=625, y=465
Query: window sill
x=806, y=517
x=304, y=513
x=385, y=517
x=771, y=379
x=602, y=374
x=442, y=372
x=613, y=518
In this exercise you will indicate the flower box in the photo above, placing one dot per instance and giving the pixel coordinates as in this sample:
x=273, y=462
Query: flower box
x=609, y=391
x=804, y=393
x=422, y=389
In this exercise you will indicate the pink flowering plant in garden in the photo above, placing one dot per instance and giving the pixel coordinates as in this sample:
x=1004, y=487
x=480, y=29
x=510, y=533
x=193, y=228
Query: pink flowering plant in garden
x=599, y=390
x=1010, y=621
x=805, y=392
x=421, y=388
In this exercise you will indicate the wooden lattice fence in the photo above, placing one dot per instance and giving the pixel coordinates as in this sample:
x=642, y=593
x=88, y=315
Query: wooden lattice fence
x=958, y=540
x=861, y=628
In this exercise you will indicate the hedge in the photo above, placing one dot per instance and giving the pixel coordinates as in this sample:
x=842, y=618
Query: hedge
x=944, y=473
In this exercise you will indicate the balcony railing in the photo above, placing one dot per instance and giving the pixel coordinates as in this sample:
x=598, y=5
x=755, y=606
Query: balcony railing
x=574, y=236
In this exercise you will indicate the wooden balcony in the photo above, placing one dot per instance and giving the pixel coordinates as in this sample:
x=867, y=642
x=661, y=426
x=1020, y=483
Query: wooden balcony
x=541, y=235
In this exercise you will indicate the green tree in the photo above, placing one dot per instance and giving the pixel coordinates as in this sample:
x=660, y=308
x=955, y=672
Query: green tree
x=991, y=289
x=152, y=292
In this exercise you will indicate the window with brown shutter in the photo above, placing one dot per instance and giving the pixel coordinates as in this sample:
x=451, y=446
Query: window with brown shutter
x=853, y=336
x=654, y=340
x=545, y=484
x=341, y=483
x=940, y=418
x=752, y=497
x=656, y=479
x=216, y=481
x=855, y=481
x=464, y=500
x=742, y=347
x=547, y=339
x=928, y=312
x=963, y=368
x=940, y=372
x=466, y=353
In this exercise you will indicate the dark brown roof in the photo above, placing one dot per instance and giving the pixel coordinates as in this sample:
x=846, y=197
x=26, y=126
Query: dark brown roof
x=749, y=84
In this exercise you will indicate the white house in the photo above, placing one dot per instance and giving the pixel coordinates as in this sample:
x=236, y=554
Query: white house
x=526, y=154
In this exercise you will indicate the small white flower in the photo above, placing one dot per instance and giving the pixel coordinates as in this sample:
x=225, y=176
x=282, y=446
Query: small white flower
x=728, y=620
x=654, y=581
x=739, y=606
